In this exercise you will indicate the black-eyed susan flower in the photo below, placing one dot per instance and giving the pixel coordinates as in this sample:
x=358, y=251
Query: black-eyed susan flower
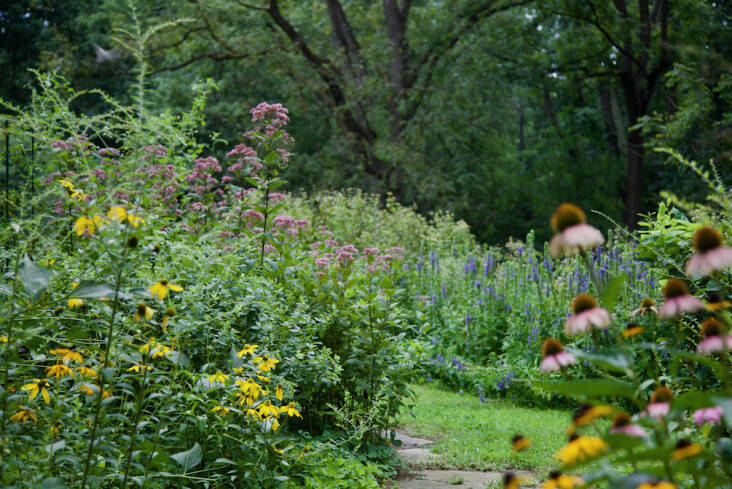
x=555, y=358
x=219, y=376
x=169, y=313
x=278, y=392
x=512, y=481
x=632, y=329
x=54, y=429
x=572, y=233
x=160, y=289
x=24, y=415
x=265, y=363
x=716, y=338
x=4, y=339
x=59, y=371
x=656, y=484
x=84, y=225
x=581, y=448
x=716, y=301
x=520, y=443
x=66, y=355
x=586, y=314
x=646, y=306
x=247, y=350
x=587, y=413
x=143, y=311
x=711, y=254
x=290, y=410
x=623, y=423
x=685, y=449
x=659, y=403
x=36, y=387
x=267, y=409
x=557, y=480
x=678, y=300
x=74, y=302
x=221, y=410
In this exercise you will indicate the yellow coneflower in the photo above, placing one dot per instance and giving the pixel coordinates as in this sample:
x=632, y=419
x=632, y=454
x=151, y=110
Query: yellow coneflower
x=275, y=423
x=250, y=388
x=221, y=410
x=278, y=392
x=169, y=313
x=54, y=429
x=263, y=378
x=290, y=410
x=685, y=449
x=66, y=355
x=581, y=448
x=59, y=371
x=267, y=409
x=23, y=415
x=161, y=288
x=139, y=368
x=264, y=363
x=587, y=413
x=277, y=450
x=632, y=330
x=218, y=377
x=143, y=311
x=106, y=394
x=84, y=225
x=557, y=480
x=117, y=213
x=512, y=481
x=4, y=339
x=36, y=387
x=716, y=301
x=88, y=389
x=74, y=302
x=253, y=413
x=656, y=484
x=135, y=221
x=520, y=442
x=247, y=350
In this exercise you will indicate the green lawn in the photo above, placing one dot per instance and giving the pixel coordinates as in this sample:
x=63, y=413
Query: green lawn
x=470, y=434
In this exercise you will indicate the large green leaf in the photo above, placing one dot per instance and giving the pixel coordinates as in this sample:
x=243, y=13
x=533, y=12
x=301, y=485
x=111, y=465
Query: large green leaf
x=611, y=292
x=611, y=359
x=93, y=290
x=189, y=458
x=726, y=403
x=588, y=387
x=34, y=278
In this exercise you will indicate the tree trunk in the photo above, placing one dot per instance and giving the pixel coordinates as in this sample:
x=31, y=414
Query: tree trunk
x=634, y=185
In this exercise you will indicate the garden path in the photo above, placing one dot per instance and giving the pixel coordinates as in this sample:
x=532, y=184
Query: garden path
x=417, y=453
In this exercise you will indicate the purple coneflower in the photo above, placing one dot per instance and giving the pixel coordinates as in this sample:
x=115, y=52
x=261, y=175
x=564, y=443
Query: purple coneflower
x=678, y=300
x=572, y=233
x=623, y=423
x=586, y=314
x=711, y=254
x=647, y=305
x=555, y=358
x=660, y=403
x=715, y=337
x=712, y=415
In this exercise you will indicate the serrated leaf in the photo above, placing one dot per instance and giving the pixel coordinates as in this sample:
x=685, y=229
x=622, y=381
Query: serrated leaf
x=35, y=279
x=189, y=458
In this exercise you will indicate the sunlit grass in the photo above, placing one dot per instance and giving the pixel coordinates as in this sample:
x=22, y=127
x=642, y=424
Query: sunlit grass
x=470, y=434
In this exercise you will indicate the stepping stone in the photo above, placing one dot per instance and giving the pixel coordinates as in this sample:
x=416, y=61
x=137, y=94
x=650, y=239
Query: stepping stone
x=417, y=456
x=411, y=442
x=446, y=479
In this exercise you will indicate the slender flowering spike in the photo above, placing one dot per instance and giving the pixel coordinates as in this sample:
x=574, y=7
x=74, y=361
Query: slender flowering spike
x=587, y=314
x=623, y=423
x=712, y=415
x=555, y=358
x=711, y=255
x=715, y=337
x=572, y=233
x=678, y=300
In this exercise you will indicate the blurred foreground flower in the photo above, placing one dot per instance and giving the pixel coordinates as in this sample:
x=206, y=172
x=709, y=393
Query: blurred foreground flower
x=572, y=233
x=715, y=337
x=586, y=314
x=711, y=254
x=555, y=358
x=678, y=300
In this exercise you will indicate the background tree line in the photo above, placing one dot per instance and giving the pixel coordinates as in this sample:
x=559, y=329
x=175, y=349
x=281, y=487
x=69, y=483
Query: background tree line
x=494, y=110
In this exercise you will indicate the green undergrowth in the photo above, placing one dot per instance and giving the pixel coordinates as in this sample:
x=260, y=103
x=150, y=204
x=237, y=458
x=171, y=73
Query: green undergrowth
x=470, y=434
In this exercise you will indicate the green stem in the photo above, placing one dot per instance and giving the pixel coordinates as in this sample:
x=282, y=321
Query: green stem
x=138, y=411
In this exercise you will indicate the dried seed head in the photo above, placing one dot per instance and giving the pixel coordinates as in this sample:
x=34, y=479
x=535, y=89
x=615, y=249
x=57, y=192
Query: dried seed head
x=583, y=302
x=565, y=216
x=707, y=238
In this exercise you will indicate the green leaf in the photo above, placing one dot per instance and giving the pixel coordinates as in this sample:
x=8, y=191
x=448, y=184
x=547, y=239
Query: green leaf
x=76, y=333
x=588, y=387
x=34, y=278
x=179, y=358
x=93, y=290
x=611, y=292
x=189, y=458
x=6, y=289
x=726, y=403
x=611, y=359
x=695, y=400
x=53, y=483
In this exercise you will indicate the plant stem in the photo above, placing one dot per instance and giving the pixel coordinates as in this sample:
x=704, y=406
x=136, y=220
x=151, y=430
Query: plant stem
x=264, y=229
x=138, y=411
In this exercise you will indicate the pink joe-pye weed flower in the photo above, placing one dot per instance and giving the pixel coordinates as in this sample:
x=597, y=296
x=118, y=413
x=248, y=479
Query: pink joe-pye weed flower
x=586, y=315
x=572, y=233
x=555, y=358
x=711, y=255
x=715, y=337
x=712, y=415
x=678, y=300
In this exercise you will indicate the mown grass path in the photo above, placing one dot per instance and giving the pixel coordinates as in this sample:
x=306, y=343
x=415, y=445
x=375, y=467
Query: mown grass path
x=475, y=435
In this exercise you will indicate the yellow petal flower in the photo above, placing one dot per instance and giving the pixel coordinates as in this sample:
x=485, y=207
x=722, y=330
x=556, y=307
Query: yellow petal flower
x=24, y=414
x=278, y=392
x=247, y=350
x=222, y=410
x=74, y=302
x=84, y=224
x=581, y=448
x=59, y=371
x=117, y=213
x=135, y=220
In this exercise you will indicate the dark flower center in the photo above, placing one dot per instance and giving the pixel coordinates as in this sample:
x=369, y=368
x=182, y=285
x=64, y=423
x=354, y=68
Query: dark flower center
x=622, y=419
x=662, y=394
x=674, y=288
x=712, y=327
x=567, y=215
x=647, y=302
x=164, y=283
x=551, y=347
x=583, y=302
x=141, y=308
x=707, y=238
x=683, y=443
